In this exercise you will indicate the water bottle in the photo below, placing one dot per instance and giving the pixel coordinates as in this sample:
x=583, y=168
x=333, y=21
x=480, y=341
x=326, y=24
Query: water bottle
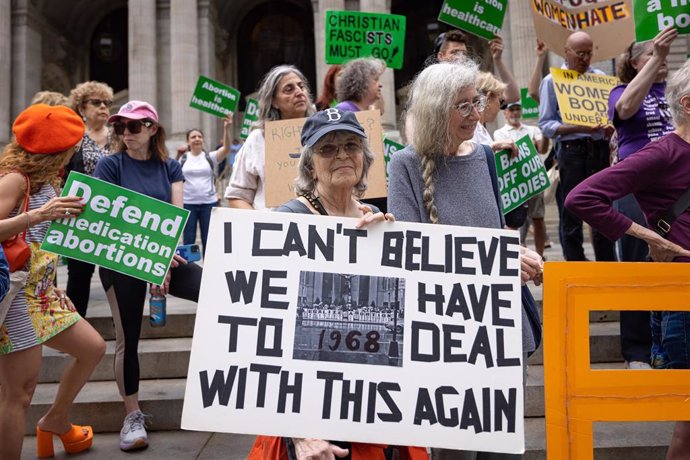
x=157, y=313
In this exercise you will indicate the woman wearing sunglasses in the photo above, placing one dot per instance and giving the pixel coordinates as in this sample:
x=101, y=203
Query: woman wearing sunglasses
x=92, y=101
x=141, y=164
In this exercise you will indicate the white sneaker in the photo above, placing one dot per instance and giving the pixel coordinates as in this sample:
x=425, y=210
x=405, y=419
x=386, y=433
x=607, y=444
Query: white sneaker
x=133, y=434
x=638, y=365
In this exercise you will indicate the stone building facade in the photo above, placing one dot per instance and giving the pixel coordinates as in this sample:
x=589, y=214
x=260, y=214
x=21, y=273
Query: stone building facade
x=155, y=49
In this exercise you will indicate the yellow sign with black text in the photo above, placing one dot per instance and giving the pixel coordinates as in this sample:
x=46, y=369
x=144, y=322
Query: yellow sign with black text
x=583, y=98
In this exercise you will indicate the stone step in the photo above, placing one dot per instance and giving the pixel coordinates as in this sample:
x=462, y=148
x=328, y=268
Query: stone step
x=604, y=344
x=613, y=441
x=158, y=358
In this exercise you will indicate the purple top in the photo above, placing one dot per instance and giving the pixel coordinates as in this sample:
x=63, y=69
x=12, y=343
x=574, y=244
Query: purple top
x=658, y=175
x=347, y=105
x=652, y=120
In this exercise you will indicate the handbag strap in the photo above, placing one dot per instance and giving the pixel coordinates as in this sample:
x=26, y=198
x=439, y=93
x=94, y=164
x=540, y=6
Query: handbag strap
x=25, y=205
x=663, y=225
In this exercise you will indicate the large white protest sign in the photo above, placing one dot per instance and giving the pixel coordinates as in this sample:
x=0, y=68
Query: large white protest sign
x=399, y=333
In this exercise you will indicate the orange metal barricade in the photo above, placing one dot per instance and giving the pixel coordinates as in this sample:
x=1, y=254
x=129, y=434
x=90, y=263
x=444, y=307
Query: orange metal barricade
x=576, y=395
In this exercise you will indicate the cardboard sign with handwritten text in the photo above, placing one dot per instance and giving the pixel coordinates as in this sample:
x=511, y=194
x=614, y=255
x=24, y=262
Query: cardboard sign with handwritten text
x=283, y=149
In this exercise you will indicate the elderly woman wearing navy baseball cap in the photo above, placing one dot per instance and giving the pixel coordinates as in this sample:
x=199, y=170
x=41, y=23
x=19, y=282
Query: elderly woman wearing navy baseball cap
x=45, y=140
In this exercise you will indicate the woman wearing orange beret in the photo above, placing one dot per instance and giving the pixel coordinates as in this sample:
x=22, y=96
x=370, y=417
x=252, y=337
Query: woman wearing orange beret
x=45, y=140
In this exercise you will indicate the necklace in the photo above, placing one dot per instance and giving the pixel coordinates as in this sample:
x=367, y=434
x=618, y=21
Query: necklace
x=314, y=202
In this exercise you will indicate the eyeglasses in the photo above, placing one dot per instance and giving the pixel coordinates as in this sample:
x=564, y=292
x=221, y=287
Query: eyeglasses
x=465, y=108
x=97, y=102
x=331, y=150
x=133, y=126
x=582, y=54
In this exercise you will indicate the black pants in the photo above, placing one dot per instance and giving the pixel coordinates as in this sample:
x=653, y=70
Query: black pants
x=79, y=284
x=577, y=160
x=126, y=296
x=636, y=334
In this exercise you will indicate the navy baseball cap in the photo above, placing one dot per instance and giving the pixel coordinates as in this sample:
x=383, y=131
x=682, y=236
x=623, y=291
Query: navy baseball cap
x=327, y=121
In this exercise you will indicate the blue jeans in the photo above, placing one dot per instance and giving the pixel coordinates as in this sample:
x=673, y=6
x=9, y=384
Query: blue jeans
x=671, y=339
x=200, y=213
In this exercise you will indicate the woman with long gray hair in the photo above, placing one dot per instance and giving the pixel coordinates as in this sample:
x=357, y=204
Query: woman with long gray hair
x=284, y=94
x=444, y=178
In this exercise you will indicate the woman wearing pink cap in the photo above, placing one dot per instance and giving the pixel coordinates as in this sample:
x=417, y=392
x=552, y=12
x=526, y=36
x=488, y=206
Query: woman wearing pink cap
x=141, y=164
x=45, y=140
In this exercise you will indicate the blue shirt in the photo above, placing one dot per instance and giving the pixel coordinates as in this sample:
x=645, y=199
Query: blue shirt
x=550, y=115
x=4, y=275
x=150, y=177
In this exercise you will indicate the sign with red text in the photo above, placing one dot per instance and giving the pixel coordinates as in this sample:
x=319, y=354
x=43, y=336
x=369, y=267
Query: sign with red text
x=310, y=327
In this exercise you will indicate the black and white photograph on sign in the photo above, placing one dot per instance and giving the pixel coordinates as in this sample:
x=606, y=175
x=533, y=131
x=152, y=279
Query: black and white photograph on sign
x=349, y=318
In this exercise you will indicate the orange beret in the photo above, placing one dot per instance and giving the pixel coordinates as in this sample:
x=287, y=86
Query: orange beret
x=45, y=128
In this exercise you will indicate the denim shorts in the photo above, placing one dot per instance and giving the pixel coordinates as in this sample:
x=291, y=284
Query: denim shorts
x=670, y=339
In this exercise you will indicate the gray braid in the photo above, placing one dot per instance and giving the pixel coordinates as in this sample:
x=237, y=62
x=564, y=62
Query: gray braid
x=428, y=170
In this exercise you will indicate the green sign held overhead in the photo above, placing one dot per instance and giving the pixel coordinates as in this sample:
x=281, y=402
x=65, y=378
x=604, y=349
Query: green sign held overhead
x=251, y=114
x=214, y=97
x=355, y=34
x=522, y=177
x=389, y=148
x=651, y=17
x=483, y=18
x=119, y=229
x=530, y=107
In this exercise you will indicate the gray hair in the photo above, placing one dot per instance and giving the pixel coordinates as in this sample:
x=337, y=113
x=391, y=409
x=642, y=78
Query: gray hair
x=268, y=90
x=356, y=76
x=305, y=183
x=431, y=101
x=677, y=87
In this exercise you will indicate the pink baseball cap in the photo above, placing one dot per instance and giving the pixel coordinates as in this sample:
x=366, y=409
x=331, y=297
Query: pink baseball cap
x=136, y=110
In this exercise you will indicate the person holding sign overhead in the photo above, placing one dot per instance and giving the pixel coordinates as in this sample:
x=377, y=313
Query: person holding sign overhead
x=581, y=150
x=199, y=168
x=332, y=176
x=659, y=177
x=444, y=178
x=40, y=314
x=141, y=164
x=284, y=94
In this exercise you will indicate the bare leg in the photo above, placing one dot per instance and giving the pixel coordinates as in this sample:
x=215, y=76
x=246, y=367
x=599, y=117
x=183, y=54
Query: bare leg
x=539, y=235
x=18, y=378
x=680, y=442
x=131, y=403
x=87, y=347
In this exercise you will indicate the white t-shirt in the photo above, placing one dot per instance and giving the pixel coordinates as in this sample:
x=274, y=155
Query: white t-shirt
x=199, y=183
x=481, y=135
x=248, y=174
x=509, y=133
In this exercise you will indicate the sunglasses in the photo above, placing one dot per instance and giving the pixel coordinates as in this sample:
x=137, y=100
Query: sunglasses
x=133, y=126
x=331, y=150
x=97, y=102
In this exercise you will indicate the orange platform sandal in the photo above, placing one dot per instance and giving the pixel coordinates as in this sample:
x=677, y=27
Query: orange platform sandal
x=76, y=440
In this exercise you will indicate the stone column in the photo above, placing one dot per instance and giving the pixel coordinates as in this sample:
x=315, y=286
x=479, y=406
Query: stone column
x=389, y=117
x=142, y=37
x=320, y=7
x=207, y=61
x=26, y=56
x=520, y=42
x=163, y=88
x=5, y=70
x=184, y=60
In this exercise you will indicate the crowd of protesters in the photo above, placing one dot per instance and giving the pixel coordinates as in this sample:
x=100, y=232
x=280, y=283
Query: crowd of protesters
x=445, y=175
